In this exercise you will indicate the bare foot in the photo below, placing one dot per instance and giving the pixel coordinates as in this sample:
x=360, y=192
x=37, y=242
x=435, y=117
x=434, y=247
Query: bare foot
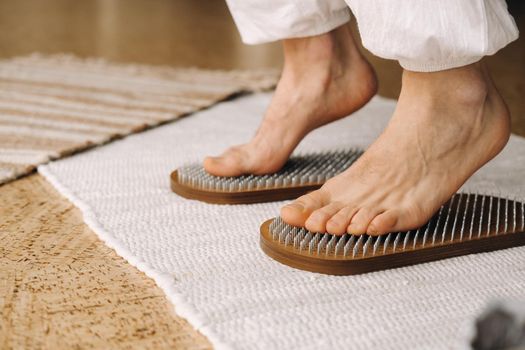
x=324, y=78
x=445, y=127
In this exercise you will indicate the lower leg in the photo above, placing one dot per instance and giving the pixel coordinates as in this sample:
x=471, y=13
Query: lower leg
x=446, y=125
x=324, y=78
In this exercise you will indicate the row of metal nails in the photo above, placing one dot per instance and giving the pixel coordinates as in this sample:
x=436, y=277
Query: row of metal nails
x=299, y=171
x=449, y=221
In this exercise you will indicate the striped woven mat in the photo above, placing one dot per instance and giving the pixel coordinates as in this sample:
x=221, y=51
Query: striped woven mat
x=52, y=106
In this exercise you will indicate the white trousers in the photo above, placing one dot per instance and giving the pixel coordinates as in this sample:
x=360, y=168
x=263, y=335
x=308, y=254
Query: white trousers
x=423, y=35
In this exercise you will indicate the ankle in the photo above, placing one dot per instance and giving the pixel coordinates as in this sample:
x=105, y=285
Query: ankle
x=467, y=86
x=336, y=44
x=464, y=98
x=322, y=57
x=307, y=50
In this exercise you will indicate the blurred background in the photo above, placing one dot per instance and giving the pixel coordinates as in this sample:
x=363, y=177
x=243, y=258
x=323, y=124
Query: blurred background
x=197, y=33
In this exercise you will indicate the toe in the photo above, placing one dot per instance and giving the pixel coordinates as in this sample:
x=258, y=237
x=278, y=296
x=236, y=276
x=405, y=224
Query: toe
x=360, y=221
x=316, y=222
x=297, y=212
x=294, y=214
x=230, y=163
x=383, y=223
x=339, y=222
x=214, y=165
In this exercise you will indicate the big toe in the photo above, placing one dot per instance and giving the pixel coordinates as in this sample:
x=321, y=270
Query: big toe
x=297, y=212
x=228, y=164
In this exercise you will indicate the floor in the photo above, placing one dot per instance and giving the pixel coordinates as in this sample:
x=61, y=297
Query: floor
x=60, y=287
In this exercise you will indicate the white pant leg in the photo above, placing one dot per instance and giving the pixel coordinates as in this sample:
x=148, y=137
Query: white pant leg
x=433, y=35
x=261, y=21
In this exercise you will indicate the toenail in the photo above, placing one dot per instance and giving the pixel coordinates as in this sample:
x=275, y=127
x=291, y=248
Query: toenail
x=352, y=228
x=333, y=222
x=316, y=217
x=296, y=206
x=310, y=222
x=373, y=231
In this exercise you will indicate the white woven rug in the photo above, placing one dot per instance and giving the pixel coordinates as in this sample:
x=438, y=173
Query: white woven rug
x=207, y=260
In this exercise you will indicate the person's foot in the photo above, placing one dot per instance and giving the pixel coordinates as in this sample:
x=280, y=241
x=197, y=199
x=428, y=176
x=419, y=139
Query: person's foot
x=324, y=78
x=445, y=127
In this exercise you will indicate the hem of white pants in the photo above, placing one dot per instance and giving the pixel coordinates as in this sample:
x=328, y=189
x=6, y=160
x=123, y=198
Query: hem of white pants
x=427, y=67
x=337, y=19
